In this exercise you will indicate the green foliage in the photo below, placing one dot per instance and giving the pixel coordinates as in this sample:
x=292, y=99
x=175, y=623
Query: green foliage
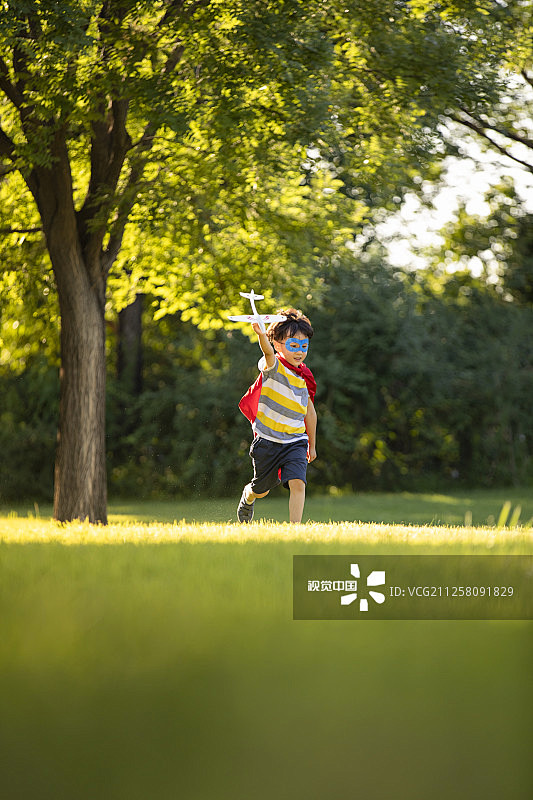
x=501, y=241
x=217, y=96
x=423, y=381
x=184, y=434
x=246, y=142
x=419, y=384
x=29, y=356
x=29, y=313
x=274, y=234
x=28, y=431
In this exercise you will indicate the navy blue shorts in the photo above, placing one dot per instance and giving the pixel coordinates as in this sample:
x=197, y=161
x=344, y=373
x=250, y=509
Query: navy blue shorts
x=269, y=457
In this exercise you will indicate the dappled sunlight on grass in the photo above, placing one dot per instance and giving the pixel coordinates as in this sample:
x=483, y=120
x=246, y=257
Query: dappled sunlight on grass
x=24, y=531
x=438, y=498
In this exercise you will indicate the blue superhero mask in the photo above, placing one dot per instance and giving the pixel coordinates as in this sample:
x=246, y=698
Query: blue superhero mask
x=297, y=345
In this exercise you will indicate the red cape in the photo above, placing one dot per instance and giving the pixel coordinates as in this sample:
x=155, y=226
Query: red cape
x=250, y=401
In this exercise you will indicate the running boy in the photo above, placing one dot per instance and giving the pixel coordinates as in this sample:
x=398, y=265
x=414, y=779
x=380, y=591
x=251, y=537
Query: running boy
x=280, y=407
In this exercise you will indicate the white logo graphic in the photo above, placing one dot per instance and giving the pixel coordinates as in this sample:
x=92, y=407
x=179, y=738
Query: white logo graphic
x=376, y=578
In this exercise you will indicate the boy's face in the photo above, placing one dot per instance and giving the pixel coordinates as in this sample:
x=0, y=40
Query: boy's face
x=293, y=348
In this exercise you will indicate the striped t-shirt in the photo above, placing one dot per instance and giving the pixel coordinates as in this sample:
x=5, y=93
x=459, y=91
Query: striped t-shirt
x=282, y=404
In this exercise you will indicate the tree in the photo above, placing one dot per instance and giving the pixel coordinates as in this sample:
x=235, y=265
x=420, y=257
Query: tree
x=106, y=105
x=438, y=385
x=504, y=126
x=105, y=78
x=501, y=242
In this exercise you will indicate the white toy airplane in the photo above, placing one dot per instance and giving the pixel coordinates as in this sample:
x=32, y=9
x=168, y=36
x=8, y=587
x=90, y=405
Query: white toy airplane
x=255, y=317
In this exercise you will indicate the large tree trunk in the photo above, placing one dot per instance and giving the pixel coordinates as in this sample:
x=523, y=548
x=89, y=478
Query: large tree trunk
x=80, y=471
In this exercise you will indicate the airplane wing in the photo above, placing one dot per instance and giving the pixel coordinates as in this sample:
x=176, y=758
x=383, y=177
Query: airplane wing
x=252, y=318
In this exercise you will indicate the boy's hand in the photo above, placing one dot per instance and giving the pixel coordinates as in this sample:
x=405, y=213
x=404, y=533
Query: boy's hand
x=311, y=454
x=255, y=326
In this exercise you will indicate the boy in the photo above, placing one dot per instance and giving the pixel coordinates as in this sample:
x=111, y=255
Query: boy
x=280, y=407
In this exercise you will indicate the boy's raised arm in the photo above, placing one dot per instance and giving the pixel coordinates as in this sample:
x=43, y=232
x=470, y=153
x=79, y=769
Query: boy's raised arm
x=266, y=347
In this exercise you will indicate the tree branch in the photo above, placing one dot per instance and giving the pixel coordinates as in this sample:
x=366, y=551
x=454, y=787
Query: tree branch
x=125, y=205
x=172, y=11
x=176, y=7
x=527, y=77
x=120, y=140
x=481, y=131
x=7, y=231
x=34, y=26
x=109, y=144
x=20, y=69
x=9, y=89
x=173, y=59
x=515, y=137
x=509, y=134
x=7, y=146
x=115, y=139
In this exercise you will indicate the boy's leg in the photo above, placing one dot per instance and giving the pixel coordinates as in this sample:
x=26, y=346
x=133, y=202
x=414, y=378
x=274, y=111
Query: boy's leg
x=250, y=495
x=293, y=477
x=296, y=499
x=264, y=458
x=245, y=510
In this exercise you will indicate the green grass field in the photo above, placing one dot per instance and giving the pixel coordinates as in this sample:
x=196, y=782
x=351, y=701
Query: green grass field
x=477, y=507
x=146, y=661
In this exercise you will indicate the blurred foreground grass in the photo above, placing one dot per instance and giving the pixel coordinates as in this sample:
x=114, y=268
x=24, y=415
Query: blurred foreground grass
x=150, y=662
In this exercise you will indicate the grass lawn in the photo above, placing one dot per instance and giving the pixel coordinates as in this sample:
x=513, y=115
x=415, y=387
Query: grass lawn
x=477, y=507
x=159, y=661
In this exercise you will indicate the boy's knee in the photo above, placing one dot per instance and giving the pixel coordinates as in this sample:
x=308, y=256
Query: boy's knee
x=255, y=495
x=297, y=485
